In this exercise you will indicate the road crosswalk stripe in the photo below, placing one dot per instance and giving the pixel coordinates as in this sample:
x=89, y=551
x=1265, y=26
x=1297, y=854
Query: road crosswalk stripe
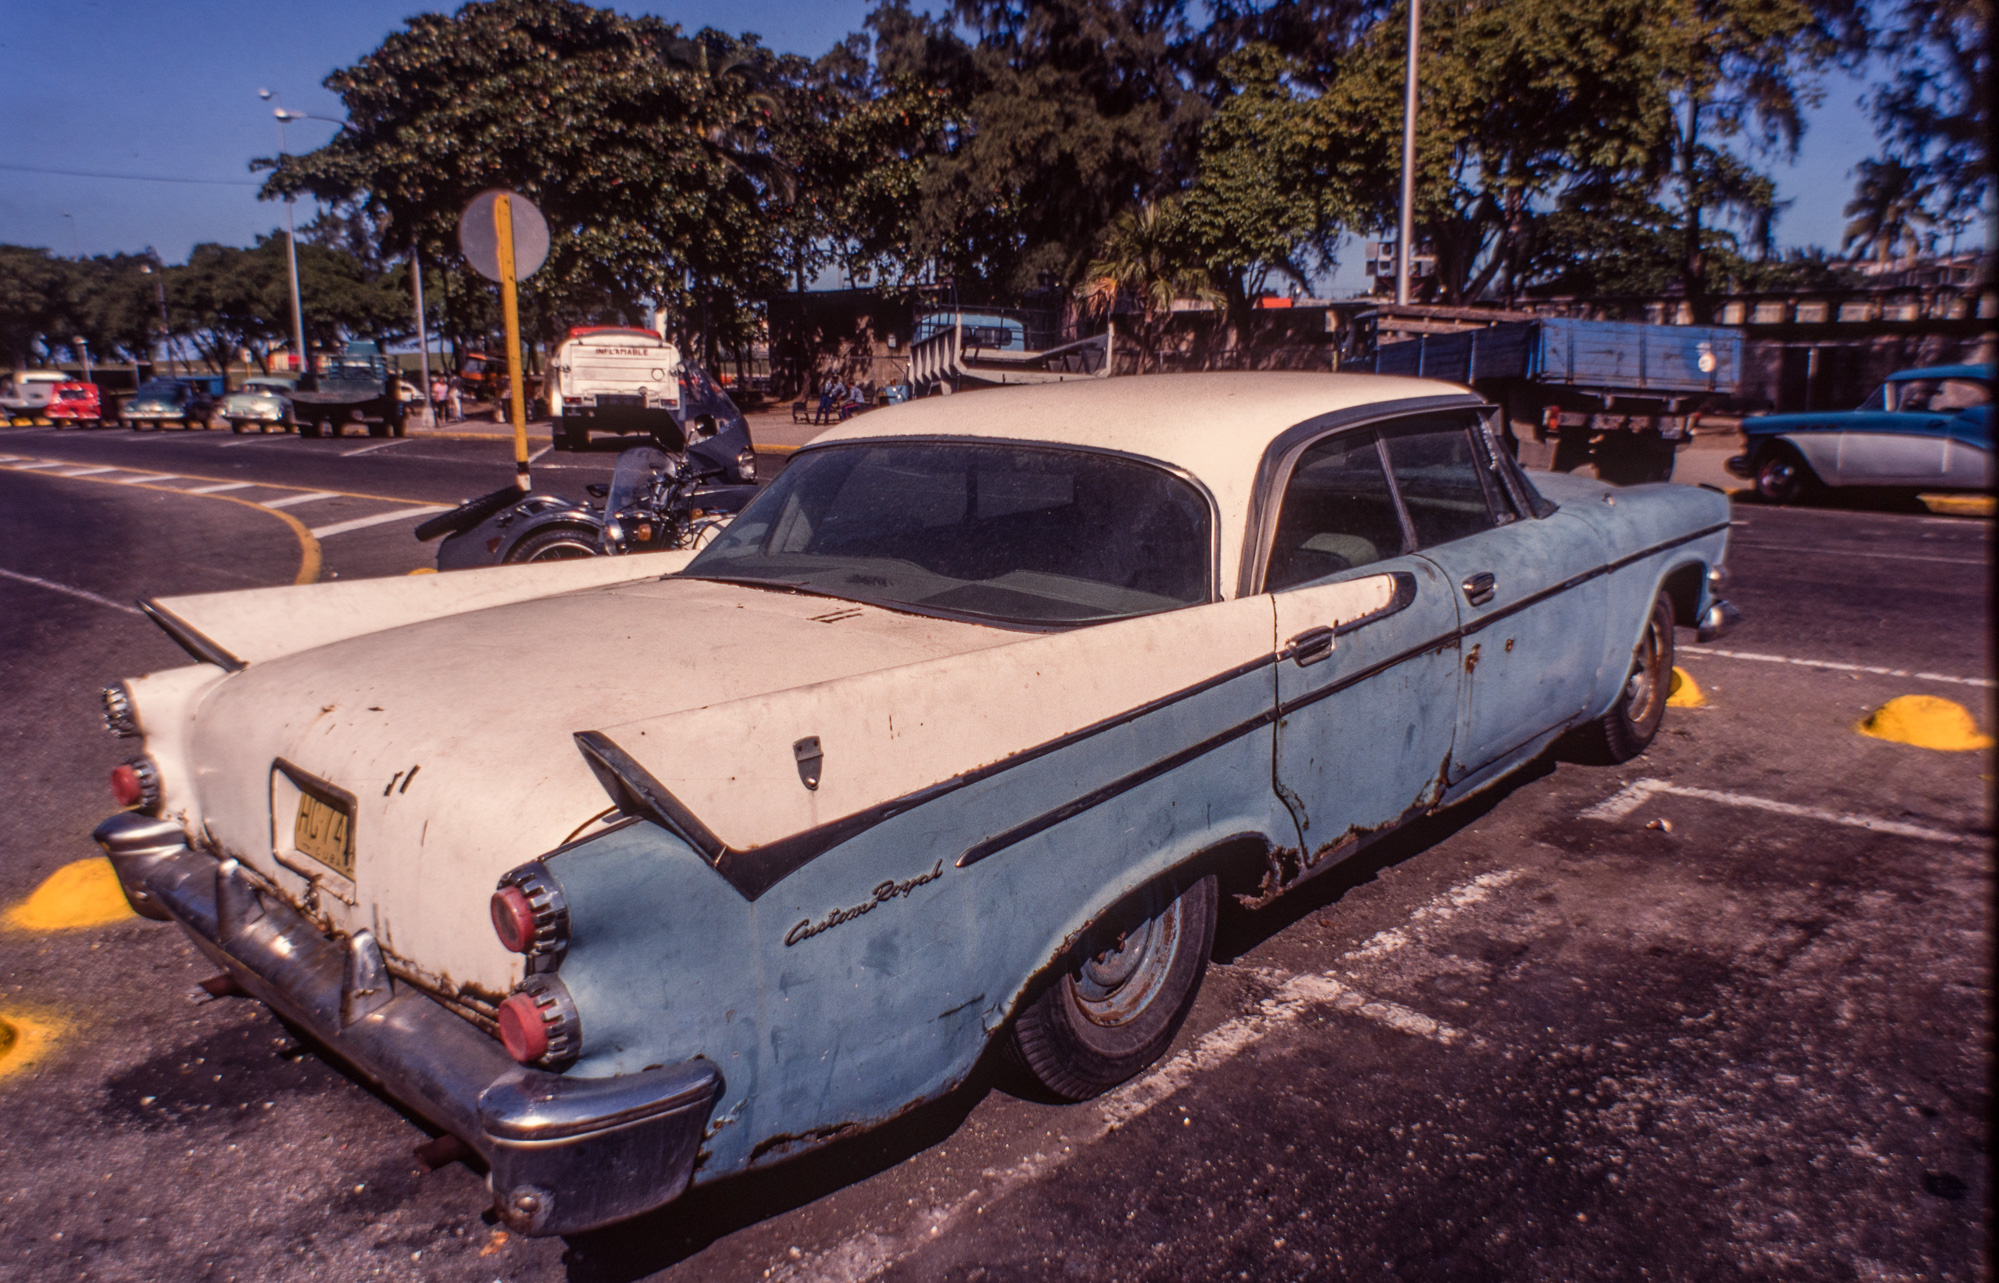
x=290, y=499
x=362, y=523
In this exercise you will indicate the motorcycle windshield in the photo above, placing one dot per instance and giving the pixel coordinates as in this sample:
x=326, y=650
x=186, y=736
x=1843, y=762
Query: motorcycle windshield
x=633, y=479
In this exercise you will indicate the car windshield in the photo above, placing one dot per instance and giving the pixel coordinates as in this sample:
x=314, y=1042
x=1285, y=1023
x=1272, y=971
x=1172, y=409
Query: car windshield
x=1018, y=534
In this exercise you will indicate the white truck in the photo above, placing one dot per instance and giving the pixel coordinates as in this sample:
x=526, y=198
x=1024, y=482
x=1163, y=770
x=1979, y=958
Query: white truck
x=613, y=378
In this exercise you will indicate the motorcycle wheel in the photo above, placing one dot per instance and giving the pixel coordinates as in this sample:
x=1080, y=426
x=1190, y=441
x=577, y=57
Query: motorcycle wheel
x=557, y=543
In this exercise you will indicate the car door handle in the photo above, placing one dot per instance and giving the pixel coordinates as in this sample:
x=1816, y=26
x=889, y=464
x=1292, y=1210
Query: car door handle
x=1480, y=587
x=1311, y=646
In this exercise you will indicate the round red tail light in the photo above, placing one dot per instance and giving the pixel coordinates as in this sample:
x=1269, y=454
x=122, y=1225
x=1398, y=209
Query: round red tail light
x=513, y=919
x=522, y=1031
x=125, y=788
x=136, y=783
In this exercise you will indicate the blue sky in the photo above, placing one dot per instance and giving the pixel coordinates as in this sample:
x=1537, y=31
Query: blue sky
x=169, y=88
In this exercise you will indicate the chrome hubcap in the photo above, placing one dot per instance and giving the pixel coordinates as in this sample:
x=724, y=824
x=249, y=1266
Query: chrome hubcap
x=1127, y=971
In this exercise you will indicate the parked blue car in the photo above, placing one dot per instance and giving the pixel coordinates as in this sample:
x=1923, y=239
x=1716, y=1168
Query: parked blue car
x=1930, y=429
x=949, y=744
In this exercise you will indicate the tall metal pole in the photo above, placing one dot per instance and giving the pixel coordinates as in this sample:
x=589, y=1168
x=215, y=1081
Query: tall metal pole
x=291, y=262
x=422, y=333
x=1406, y=235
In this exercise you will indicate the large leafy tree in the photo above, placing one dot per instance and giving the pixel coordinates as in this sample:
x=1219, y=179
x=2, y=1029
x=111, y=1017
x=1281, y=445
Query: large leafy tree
x=647, y=151
x=1934, y=113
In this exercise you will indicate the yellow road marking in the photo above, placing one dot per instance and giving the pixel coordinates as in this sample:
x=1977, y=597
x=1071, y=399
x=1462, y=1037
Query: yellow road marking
x=309, y=558
x=1959, y=505
x=24, y=1039
x=188, y=476
x=1926, y=721
x=82, y=893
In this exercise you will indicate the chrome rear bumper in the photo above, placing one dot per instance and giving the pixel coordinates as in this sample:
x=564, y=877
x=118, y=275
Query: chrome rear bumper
x=565, y=1154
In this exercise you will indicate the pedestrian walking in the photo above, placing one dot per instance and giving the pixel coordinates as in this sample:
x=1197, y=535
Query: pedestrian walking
x=457, y=400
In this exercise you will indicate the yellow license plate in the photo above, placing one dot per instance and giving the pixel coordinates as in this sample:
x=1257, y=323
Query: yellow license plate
x=326, y=833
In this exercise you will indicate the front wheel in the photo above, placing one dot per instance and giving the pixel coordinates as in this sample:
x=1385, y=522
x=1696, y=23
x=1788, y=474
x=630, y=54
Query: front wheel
x=557, y=543
x=1123, y=995
x=1781, y=476
x=1627, y=729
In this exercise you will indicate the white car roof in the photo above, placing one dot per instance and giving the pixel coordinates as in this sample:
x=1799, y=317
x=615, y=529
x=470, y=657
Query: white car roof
x=1214, y=427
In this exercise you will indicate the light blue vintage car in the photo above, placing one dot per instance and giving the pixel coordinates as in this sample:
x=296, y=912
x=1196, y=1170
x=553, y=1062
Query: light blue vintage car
x=263, y=402
x=949, y=745
x=1929, y=429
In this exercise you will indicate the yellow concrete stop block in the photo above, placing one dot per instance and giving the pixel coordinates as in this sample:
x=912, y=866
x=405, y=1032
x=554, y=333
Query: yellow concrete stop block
x=23, y=1040
x=1925, y=721
x=84, y=893
x=1684, y=692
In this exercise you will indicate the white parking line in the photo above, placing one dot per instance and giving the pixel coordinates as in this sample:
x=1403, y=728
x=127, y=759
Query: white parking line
x=291, y=499
x=1634, y=795
x=1704, y=652
x=32, y=464
x=362, y=523
x=86, y=472
x=85, y=594
x=145, y=478
x=865, y=1256
x=220, y=486
x=537, y=454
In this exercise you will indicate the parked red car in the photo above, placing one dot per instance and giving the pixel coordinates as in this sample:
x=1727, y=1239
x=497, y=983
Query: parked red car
x=76, y=403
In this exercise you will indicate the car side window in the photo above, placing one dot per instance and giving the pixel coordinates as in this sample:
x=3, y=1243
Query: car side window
x=1337, y=513
x=1441, y=476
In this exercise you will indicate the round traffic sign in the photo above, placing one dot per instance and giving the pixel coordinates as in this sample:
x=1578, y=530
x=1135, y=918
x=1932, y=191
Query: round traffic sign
x=479, y=237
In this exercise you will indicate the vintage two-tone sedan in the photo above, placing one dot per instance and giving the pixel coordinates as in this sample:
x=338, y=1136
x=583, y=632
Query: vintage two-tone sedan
x=950, y=743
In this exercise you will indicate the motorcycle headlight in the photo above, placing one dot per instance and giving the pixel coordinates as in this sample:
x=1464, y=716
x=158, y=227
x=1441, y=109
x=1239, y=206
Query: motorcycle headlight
x=614, y=536
x=746, y=465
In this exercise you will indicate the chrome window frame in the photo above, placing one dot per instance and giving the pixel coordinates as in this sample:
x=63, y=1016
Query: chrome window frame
x=1280, y=458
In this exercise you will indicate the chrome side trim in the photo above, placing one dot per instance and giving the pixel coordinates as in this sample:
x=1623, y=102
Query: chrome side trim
x=190, y=639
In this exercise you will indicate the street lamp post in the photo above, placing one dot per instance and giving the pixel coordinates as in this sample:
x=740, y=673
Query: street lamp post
x=154, y=268
x=291, y=247
x=1407, y=232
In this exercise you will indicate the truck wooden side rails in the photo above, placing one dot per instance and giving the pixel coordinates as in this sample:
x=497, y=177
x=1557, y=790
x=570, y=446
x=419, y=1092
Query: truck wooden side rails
x=1617, y=394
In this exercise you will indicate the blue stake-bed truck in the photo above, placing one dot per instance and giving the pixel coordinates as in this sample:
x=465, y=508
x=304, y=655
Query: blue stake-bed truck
x=1616, y=394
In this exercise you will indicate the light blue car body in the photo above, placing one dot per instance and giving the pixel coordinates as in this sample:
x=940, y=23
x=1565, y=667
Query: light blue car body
x=822, y=1037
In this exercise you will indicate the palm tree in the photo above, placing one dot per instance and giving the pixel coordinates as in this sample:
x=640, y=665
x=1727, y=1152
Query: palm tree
x=1145, y=254
x=1889, y=204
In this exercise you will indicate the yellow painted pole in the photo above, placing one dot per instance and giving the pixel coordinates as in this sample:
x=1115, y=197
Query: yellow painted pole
x=510, y=307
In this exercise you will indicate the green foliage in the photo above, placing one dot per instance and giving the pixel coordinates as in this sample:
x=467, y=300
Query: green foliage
x=647, y=151
x=1935, y=113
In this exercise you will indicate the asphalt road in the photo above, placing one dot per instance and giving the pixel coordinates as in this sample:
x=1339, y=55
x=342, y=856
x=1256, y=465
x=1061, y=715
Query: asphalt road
x=1733, y=1024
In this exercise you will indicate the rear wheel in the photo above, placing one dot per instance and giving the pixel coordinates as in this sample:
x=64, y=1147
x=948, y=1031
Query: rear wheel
x=1627, y=729
x=1121, y=998
x=1782, y=476
x=557, y=543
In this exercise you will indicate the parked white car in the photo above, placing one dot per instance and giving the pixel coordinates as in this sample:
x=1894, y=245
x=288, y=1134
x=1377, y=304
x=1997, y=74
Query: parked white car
x=950, y=741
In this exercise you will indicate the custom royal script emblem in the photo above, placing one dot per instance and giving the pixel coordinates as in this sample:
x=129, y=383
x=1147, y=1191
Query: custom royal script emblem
x=887, y=891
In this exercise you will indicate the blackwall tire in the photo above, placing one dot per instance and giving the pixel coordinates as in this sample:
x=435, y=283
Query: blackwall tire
x=557, y=543
x=1629, y=727
x=1113, y=1007
x=1782, y=476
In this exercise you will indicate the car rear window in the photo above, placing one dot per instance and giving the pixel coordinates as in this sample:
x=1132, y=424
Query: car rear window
x=1016, y=534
